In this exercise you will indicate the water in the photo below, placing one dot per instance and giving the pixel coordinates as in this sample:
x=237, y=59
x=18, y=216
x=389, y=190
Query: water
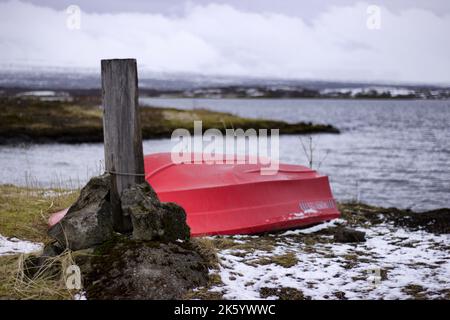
x=390, y=153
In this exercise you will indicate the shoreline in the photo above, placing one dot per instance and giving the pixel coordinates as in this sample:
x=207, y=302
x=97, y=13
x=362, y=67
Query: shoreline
x=250, y=92
x=80, y=121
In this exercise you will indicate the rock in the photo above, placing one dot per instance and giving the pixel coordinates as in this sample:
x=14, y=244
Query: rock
x=43, y=265
x=152, y=219
x=435, y=221
x=83, y=259
x=132, y=269
x=52, y=249
x=346, y=235
x=88, y=221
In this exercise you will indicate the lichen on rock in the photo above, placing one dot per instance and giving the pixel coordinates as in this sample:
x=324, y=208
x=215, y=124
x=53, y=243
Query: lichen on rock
x=152, y=219
x=88, y=221
x=130, y=269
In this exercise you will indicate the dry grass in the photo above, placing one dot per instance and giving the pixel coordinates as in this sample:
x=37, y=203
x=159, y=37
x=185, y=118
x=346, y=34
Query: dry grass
x=24, y=212
x=286, y=260
x=49, y=283
x=205, y=247
x=262, y=242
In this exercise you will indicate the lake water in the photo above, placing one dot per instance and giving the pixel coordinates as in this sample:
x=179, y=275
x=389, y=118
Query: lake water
x=390, y=153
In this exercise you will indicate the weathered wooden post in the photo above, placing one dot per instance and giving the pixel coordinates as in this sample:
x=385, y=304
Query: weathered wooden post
x=122, y=132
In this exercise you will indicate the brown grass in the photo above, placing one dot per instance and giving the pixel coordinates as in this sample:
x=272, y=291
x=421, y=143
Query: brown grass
x=24, y=212
x=45, y=285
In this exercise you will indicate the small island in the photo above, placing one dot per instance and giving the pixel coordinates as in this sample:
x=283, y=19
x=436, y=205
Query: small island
x=79, y=120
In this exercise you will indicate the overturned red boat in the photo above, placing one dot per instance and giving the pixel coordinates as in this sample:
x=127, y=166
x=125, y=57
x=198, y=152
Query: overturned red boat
x=236, y=198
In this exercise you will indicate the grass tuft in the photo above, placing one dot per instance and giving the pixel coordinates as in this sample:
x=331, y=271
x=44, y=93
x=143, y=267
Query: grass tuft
x=48, y=283
x=24, y=212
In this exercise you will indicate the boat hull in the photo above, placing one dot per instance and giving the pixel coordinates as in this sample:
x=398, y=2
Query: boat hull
x=227, y=199
x=238, y=198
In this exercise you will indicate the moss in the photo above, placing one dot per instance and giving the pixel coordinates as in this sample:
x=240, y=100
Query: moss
x=203, y=294
x=239, y=254
x=340, y=295
x=215, y=279
x=106, y=247
x=435, y=221
x=359, y=213
x=180, y=269
x=257, y=244
x=261, y=261
x=262, y=242
x=350, y=257
x=205, y=247
x=283, y=293
x=445, y=293
x=286, y=260
x=223, y=243
x=415, y=291
x=24, y=212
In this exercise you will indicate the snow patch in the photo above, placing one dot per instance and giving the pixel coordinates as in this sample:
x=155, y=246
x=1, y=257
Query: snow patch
x=13, y=246
x=80, y=296
x=391, y=262
x=315, y=228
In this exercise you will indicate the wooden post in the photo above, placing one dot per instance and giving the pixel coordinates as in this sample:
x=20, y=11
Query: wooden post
x=122, y=132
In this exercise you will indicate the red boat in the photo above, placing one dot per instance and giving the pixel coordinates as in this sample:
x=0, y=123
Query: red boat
x=233, y=198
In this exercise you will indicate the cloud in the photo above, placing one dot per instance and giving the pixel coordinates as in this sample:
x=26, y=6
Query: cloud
x=218, y=39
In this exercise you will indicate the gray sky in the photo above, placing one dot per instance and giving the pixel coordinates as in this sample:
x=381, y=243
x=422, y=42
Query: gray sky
x=321, y=39
x=301, y=8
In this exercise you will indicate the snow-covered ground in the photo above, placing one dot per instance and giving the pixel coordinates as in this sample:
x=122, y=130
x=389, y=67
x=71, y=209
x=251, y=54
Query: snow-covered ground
x=393, y=263
x=14, y=246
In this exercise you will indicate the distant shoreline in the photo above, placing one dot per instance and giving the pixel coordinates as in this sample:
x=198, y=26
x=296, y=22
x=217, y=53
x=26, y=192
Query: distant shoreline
x=253, y=92
x=79, y=120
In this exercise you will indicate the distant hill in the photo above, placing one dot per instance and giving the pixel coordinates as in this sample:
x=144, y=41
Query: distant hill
x=193, y=85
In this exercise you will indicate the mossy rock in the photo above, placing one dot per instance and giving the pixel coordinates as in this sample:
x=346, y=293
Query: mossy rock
x=130, y=269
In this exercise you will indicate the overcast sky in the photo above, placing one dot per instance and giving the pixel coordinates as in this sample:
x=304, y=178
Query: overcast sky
x=321, y=39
